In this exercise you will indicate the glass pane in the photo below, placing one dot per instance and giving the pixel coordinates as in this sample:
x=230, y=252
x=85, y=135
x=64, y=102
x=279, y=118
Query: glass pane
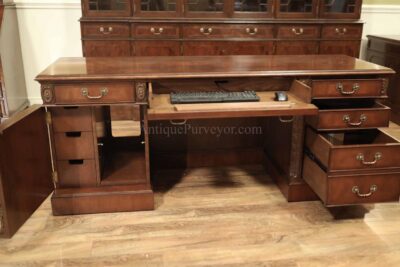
x=206, y=5
x=252, y=5
x=158, y=5
x=108, y=5
x=298, y=6
x=340, y=6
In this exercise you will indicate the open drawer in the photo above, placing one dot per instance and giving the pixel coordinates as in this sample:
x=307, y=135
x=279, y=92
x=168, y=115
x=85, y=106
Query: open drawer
x=351, y=189
x=355, y=150
x=162, y=109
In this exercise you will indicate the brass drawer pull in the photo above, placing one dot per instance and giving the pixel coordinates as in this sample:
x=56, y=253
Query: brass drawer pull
x=372, y=189
x=183, y=122
x=341, y=31
x=252, y=31
x=377, y=157
x=299, y=31
x=205, y=31
x=104, y=31
x=347, y=119
x=157, y=32
x=103, y=92
x=281, y=119
x=340, y=88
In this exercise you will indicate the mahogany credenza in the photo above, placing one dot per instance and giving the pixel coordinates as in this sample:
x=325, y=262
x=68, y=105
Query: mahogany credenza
x=220, y=27
x=100, y=133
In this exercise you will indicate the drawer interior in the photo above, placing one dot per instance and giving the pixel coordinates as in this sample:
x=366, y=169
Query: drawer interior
x=325, y=104
x=362, y=137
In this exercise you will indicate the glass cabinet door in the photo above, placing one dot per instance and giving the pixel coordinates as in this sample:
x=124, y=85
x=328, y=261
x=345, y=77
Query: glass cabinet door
x=252, y=8
x=107, y=8
x=296, y=9
x=162, y=8
x=205, y=8
x=337, y=9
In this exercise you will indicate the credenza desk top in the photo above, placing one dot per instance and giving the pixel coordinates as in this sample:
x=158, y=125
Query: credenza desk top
x=128, y=68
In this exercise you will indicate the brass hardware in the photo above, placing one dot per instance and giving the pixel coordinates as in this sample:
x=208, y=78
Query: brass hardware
x=103, y=92
x=157, y=32
x=299, y=31
x=347, y=119
x=285, y=120
x=252, y=31
x=377, y=157
x=341, y=31
x=54, y=176
x=340, y=88
x=143, y=142
x=100, y=144
x=48, y=118
x=183, y=122
x=104, y=31
x=372, y=189
x=205, y=31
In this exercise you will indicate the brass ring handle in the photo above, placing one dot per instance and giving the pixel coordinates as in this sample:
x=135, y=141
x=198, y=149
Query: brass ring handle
x=377, y=157
x=347, y=119
x=299, y=31
x=285, y=120
x=207, y=31
x=342, y=31
x=372, y=189
x=183, y=122
x=156, y=32
x=340, y=88
x=103, y=30
x=103, y=92
x=252, y=31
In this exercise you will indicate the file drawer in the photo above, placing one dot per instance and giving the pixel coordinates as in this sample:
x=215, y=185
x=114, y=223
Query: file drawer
x=93, y=93
x=355, y=150
x=76, y=173
x=351, y=189
x=74, y=145
x=70, y=119
x=336, y=118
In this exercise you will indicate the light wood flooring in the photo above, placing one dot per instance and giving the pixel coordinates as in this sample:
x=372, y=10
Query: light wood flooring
x=213, y=217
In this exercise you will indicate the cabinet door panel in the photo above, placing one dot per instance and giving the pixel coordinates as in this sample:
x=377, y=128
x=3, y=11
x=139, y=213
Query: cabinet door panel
x=296, y=8
x=350, y=48
x=205, y=48
x=252, y=48
x=296, y=47
x=340, y=9
x=107, y=8
x=252, y=9
x=106, y=48
x=156, y=48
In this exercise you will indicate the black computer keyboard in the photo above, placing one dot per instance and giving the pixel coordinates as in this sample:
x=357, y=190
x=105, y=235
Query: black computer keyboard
x=213, y=97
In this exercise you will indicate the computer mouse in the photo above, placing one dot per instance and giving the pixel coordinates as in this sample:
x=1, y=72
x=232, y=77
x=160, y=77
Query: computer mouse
x=281, y=96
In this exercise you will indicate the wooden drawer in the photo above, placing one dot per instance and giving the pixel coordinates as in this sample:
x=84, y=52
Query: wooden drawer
x=251, y=31
x=356, y=150
x=105, y=30
x=71, y=119
x=359, y=117
x=342, y=31
x=94, y=93
x=74, y=145
x=219, y=31
x=76, y=173
x=298, y=32
x=155, y=30
x=372, y=88
x=351, y=189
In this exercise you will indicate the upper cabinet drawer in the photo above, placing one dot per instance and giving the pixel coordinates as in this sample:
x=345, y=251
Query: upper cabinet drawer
x=105, y=30
x=251, y=31
x=298, y=31
x=155, y=30
x=94, y=93
x=342, y=31
x=362, y=150
x=228, y=31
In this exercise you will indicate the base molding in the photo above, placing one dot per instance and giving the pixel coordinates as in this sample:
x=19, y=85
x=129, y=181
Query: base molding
x=101, y=200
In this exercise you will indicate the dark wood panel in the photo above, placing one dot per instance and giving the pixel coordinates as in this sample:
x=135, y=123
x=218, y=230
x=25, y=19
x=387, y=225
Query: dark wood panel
x=156, y=48
x=298, y=31
x=342, y=31
x=205, y=48
x=74, y=145
x=106, y=48
x=105, y=30
x=76, y=173
x=71, y=119
x=350, y=48
x=296, y=47
x=252, y=48
x=155, y=30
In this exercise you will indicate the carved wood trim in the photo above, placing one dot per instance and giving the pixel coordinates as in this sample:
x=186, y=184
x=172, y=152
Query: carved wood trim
x=141, y=92
x=47, y=92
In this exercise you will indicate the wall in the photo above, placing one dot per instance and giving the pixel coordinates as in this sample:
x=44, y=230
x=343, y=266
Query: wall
x=49, y=29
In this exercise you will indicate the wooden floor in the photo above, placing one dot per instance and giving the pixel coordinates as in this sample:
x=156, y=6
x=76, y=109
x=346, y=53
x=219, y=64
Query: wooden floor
x=213, y=217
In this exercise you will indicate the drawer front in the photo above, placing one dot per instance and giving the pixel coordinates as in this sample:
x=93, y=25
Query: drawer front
x=251, y=31
x=208, y=31
x=76, y=173
x=71, y=119
x=106, y=48
x=349, y=48
x=252, y=48
x=351, y=119
x=348, y=88
x=156, y=48
x=298, y=32
x=74, y=145
x=105, y=30
x=94, y=93
x=204, y=48
x=154, y=30
x=342, y=31
x=351, y=189
x=296, y=48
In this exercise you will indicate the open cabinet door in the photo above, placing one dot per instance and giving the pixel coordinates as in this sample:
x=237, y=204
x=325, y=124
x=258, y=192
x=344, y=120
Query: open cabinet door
x=25, y=167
